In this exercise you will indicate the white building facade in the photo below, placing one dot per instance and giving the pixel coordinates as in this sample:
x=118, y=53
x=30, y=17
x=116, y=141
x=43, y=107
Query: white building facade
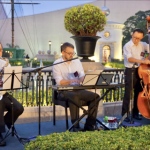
x=33, y=33
x=109, y=46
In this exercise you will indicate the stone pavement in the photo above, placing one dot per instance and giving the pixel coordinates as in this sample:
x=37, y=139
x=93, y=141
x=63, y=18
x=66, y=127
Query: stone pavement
x=28, y=130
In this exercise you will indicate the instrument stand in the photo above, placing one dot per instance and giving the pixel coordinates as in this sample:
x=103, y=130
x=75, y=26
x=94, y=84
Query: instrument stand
x=132, y=123
x=39, y=72
x=12, y=131
x=85, y=112
x=39, y=103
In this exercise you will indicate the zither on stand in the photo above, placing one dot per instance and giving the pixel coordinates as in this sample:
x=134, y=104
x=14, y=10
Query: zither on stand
x=13, y=131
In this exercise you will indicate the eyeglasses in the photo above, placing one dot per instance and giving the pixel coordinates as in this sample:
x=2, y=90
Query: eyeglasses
x=136, y=38
x=70, y=53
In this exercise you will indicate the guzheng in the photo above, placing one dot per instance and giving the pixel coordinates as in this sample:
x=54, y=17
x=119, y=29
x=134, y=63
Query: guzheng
x=78, y=87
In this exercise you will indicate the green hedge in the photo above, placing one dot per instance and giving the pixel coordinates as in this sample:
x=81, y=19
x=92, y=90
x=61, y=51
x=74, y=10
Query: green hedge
x=133, y=138
x=22, y=62
x=117, y=65
x=36, y=63
x=17, y=62
x=31, y=98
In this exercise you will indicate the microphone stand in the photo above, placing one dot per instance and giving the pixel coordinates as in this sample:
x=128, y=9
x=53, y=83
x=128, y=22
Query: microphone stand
x=39, y=72
x=131, y=98
x=132, y=123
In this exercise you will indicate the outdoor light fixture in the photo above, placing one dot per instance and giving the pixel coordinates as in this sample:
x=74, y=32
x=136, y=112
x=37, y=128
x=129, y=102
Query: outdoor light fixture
x=35, y=58
x=104, y=9
x=27, y=59
x=50, y=45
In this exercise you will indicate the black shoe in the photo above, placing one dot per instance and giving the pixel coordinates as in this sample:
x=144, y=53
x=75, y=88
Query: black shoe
x=90, y=124
x=127, y=119
x=89, y=128
x=2, y=142
x=77, y=129
x=137, y=117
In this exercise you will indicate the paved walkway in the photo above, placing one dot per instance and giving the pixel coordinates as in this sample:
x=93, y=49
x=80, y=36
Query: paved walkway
x=32, y=129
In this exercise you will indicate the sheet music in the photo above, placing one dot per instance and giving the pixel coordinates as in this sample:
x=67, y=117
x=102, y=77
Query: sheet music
x=91, y=77
x=7, y=78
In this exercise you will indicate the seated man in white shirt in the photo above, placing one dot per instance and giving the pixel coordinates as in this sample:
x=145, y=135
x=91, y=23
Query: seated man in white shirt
x=71, y=72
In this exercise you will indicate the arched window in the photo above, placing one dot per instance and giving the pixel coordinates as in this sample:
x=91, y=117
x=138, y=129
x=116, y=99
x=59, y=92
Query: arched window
x=106, y=54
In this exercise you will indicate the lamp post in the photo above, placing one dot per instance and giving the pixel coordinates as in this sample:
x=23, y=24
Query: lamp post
x=50, y=45
x=27, y=58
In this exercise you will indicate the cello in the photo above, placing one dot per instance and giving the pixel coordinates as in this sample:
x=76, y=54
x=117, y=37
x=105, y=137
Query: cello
x=143, y=102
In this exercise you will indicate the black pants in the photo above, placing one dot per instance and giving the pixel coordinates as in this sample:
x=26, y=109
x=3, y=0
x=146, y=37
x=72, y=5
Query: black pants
x=128, y=87
x=5, y=104
x=81, y=97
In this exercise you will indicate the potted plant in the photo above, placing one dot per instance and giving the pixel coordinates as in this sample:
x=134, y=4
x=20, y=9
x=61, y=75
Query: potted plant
x=84, y=22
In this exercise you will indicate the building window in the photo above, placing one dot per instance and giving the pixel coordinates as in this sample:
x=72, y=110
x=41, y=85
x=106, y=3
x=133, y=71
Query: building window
x=106, y=54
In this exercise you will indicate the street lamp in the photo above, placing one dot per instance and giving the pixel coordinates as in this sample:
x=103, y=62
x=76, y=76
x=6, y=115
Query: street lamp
x=50, y=45
x=27, y=58
x=35, y=58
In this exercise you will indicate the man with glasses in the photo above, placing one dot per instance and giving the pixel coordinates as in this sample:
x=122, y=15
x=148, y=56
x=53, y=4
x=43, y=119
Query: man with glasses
x=71, y=73
x=133, y=52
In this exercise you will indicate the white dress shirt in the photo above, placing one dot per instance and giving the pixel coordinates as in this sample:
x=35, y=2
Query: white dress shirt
x=4, y=63
x=135, y=51
x=67, y=71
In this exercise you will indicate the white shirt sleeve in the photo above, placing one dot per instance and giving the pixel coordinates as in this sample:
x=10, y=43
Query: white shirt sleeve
x=146, y=47
x=65, y=71
x=3, y=63
x=57, y=74
x=127, y=51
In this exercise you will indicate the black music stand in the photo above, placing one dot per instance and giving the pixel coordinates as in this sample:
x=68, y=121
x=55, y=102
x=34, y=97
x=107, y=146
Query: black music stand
x=13, y=77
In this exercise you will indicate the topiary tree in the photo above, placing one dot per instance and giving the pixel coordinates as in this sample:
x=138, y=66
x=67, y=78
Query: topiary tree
x=136, y=21
x=84, y=20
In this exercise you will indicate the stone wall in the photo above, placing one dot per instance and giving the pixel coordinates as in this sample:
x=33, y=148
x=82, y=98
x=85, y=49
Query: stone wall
x=31, y=114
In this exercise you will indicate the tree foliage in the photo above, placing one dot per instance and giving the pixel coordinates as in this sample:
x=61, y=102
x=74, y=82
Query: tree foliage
x=136, y=21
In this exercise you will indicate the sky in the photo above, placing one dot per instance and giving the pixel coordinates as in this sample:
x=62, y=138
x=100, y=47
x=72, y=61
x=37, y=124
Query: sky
x=42, y=7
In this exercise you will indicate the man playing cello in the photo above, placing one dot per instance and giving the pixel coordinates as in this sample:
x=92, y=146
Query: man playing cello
x=133, y=52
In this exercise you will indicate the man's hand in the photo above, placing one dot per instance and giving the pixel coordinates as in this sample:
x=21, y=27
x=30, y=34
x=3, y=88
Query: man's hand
x=74, y=81
x=146, y=61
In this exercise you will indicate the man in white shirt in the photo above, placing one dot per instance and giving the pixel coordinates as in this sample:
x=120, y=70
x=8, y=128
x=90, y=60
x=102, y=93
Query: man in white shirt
x=5, y=104
x=133, y=52
x=72, y=73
